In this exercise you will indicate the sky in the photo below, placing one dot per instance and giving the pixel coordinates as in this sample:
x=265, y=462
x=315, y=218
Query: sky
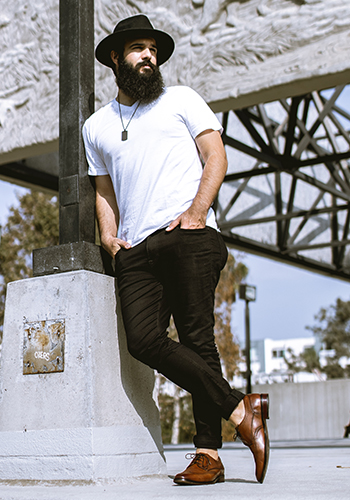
x=287, y=297
x=8, y=198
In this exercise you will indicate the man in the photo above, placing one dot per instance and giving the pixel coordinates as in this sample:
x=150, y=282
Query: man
x=153, y=204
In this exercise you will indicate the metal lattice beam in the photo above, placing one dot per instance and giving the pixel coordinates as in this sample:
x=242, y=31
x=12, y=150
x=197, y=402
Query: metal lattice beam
x=287, y=191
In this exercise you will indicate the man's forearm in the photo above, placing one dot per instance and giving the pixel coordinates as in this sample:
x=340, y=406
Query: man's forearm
x=213, y=175
x=107, y=217
x=213, y=153
x=215, y=167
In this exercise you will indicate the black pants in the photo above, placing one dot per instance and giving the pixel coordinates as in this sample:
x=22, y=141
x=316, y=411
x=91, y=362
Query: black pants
x=176, y=273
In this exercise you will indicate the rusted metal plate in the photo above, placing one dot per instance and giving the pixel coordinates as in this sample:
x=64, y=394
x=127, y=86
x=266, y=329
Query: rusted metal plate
x=43, y=346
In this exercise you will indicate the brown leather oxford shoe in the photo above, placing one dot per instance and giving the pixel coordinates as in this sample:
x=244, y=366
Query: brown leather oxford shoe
x=253, y=431
x=202, y=470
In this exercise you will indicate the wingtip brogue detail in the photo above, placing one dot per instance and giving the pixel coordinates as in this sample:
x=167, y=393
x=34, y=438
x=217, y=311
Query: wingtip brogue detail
x=253, y=431
x=202, y=470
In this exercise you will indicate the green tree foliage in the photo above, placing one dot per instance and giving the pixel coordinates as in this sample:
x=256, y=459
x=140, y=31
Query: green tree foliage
x=333, y=329
x=310, y=359
x=307, y=361
x=292, y=361
x=33, y=224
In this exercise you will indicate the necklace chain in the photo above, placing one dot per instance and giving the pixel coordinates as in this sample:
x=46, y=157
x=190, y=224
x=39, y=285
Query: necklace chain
x=125, y=131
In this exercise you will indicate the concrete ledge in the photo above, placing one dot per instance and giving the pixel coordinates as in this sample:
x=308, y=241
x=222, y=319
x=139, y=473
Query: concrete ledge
x=95, y=441
x=71, y=257
x=80, y=468
x=96, y=419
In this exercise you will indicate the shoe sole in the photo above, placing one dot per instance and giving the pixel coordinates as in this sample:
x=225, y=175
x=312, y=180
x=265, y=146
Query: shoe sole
x=184, y=482
x=264, y=399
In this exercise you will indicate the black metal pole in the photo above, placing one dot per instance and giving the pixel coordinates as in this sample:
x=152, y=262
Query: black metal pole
x=77, y=249
x=247, y=348
x=76, y=97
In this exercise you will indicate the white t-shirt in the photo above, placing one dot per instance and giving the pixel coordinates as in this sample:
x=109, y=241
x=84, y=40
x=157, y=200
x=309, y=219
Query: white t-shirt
x=157, y=170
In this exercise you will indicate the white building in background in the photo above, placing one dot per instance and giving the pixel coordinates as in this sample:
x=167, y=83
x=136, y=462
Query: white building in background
x=268, y=361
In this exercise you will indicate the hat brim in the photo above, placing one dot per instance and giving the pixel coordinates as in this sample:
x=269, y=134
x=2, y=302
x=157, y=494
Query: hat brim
x=165, y=44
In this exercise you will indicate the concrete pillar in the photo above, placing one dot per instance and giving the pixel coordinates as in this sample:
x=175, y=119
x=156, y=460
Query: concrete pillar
x=89, y=415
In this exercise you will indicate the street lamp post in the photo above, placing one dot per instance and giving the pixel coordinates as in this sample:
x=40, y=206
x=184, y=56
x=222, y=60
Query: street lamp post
x=247, y=293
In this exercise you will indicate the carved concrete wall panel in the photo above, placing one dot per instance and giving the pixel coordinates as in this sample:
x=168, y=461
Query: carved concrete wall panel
x=28, y=73
x=233, y=52
x=241, y=52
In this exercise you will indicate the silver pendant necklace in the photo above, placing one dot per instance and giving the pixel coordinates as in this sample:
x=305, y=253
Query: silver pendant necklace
x=125, y=131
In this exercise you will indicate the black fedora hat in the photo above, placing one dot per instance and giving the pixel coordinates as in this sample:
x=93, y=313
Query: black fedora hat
x=138, y=26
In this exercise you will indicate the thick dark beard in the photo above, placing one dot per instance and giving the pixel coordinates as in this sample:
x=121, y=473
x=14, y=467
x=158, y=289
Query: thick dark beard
x=144, y=87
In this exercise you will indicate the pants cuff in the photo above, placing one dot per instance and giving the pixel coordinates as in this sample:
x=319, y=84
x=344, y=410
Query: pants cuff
x=204, y=442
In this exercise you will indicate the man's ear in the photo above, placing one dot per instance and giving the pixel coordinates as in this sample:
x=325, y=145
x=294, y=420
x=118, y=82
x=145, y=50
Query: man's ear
x=115, y=57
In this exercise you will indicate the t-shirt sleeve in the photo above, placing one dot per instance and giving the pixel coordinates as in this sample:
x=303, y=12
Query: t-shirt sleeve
x=197, y=114
x=95, y=162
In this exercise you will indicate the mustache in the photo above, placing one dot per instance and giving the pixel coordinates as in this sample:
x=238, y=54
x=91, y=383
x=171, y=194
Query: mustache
x=145, y=63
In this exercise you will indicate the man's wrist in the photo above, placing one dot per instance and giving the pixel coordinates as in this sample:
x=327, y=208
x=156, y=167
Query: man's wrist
x=107, y=239
x=201, y=209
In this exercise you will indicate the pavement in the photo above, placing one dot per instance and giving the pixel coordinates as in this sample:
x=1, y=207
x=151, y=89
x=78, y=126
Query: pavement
x=297, y=470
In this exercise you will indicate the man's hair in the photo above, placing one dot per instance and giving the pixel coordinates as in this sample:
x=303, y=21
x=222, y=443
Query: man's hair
x=119, y=49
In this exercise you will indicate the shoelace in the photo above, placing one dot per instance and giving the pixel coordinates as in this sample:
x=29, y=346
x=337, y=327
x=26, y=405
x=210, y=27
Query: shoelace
x=199, y=459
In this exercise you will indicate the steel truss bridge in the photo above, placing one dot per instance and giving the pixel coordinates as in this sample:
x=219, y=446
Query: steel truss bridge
x=287, y=191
